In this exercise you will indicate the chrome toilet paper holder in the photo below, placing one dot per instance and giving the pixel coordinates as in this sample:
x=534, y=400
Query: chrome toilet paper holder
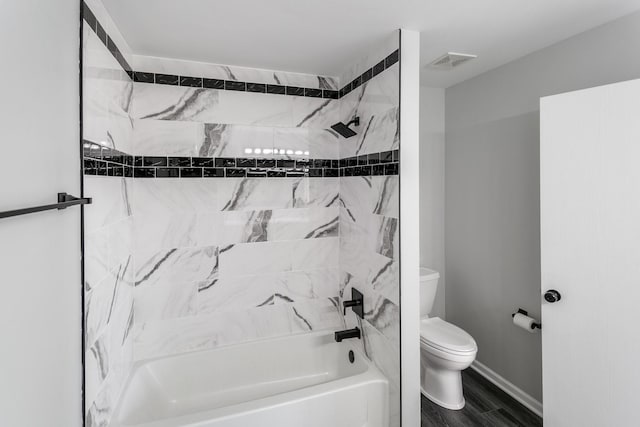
x=521, y=311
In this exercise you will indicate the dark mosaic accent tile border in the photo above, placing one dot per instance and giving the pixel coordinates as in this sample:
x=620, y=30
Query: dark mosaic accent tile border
x=167, y=79
x=147, y=77
x=102, y=161
x=93, y=23
x=213, y=83
x=238, y=86
x=367, y=75
x=257, y=87
x=382, y=163
x=202, y=82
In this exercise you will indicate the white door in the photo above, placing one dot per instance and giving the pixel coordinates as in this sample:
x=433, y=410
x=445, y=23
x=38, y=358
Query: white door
x=590, y=240
x=40, y=283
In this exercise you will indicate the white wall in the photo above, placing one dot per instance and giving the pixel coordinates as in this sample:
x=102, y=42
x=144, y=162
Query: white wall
x=432, y=125
x=409, y=223
x=40, y=289
x=492, y=230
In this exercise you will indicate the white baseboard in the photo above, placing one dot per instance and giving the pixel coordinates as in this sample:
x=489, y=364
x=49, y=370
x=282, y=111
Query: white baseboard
x=508, y=388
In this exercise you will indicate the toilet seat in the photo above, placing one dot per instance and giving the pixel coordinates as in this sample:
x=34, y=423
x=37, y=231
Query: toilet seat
x=446, y=338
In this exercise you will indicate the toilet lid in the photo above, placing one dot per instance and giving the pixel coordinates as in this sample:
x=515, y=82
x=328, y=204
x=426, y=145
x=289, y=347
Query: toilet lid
x=445, y=336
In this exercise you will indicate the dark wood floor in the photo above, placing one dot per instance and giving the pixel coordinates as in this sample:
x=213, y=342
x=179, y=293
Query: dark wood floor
x=487, y=405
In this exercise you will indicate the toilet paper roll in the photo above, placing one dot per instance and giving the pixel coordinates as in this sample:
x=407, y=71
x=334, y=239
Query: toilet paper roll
x=524, y=322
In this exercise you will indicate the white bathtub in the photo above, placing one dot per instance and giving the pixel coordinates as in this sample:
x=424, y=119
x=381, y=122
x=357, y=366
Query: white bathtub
x=298, y=381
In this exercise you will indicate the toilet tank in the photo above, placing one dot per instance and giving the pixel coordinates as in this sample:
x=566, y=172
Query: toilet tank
x=428, y=287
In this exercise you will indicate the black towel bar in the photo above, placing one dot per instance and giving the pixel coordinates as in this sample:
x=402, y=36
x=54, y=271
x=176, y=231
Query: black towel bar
x=64, y=201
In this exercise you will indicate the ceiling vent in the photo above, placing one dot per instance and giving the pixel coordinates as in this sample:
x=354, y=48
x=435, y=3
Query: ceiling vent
x=450, y=60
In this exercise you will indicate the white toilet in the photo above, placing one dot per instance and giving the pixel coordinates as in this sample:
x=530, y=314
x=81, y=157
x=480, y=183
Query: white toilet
x=445, y=350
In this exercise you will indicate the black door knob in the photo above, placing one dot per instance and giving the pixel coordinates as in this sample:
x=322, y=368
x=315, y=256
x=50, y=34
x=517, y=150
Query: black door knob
x=552, y=296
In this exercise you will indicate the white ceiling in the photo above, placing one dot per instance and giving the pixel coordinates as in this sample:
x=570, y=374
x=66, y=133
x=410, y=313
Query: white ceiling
x=322, y=36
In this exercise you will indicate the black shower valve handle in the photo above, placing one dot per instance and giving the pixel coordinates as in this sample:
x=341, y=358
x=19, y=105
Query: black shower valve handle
x=351, y=303
x=356, y=303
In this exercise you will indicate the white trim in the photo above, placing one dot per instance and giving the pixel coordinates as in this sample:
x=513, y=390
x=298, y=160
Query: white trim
x=508, y=387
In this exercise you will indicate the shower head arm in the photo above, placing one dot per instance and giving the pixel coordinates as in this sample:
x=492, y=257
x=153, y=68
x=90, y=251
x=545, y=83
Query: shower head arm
x=355, y=121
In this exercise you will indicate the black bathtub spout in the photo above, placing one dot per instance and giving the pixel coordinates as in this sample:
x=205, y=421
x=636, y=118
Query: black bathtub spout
x=348, y=333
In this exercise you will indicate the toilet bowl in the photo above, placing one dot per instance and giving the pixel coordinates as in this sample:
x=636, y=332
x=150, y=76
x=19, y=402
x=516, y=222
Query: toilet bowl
x=445, y=350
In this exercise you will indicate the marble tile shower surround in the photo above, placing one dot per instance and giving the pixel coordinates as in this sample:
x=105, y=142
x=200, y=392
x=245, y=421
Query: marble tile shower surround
x=224, y=281
x=108, y=223
x=369, y=217
x=369, y=261
x=182, y=121
x=177, y=265
x=157, y=110
x=376, y=103
x=225, y=261
x=216, y=249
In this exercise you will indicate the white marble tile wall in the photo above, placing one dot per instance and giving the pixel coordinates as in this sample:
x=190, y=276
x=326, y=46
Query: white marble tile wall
x=107, y=96
x=175, y=120
x=108, y=225
x=222, y=261
x=369, y=260
x=183, y=138
x=369, y=217
x=369, y=242
x=376, y=102
x=205, y=247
